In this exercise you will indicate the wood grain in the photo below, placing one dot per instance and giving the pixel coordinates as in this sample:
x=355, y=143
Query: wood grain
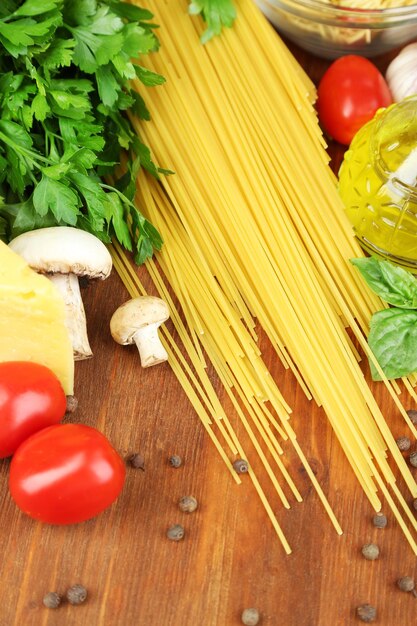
x=230, y=557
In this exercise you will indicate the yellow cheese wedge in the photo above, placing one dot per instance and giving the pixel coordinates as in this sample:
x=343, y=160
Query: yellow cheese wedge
x=32, y=319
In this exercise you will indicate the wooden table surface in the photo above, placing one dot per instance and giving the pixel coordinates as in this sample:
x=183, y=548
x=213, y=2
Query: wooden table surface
x=230, y=557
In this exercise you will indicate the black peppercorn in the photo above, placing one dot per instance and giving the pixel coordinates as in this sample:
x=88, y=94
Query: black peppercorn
x=366, y=613
x=406, y=583
x=403, y=443
x=175, y=460
x=77, y=594
x=72, y=404
x=370, y=551
x=176, y=532
x=241, y=466
x=250, y=617
x=412, y=414
x=52, y=600
x=137, y=461
x=379, y=520
x=188, y=504
x=413, y=459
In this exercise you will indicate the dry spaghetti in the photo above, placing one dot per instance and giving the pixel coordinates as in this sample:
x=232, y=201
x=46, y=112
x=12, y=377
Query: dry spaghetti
x=254, y=230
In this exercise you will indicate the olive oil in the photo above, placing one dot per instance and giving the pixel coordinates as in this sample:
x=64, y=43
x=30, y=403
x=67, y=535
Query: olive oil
x=378, y=183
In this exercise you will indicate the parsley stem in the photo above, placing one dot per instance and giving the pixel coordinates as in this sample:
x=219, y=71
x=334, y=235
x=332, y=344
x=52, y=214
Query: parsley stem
x=24, y=151
x=30, y=173
x=121, y=195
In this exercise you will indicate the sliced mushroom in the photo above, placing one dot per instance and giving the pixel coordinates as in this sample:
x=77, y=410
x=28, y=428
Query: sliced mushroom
x=64, y=254
x=137, y=321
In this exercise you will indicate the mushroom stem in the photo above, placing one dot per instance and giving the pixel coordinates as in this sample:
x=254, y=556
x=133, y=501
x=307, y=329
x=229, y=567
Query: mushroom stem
x=69, y=288
x=151, y=350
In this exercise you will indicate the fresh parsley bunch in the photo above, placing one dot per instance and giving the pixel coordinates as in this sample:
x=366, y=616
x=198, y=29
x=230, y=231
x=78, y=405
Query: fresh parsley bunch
x=65, y=87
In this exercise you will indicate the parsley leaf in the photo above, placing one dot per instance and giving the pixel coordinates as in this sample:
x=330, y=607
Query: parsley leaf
x=148, y=78
x=217, y=13
x=53, y=195
x=31, y=8
x=58, y=54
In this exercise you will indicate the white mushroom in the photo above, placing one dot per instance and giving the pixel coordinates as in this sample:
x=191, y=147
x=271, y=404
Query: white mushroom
x=137, y=321
x=64, y=254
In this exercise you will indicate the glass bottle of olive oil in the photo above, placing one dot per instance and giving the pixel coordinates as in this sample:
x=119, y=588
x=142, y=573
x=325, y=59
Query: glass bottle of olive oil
x=378, y=183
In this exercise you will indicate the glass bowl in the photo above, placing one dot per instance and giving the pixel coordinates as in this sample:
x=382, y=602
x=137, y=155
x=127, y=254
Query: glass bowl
x=331, y=31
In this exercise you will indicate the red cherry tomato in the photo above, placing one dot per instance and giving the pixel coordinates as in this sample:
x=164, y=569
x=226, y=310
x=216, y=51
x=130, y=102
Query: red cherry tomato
x=31, y=398
x=349, y=94
x=66, y=474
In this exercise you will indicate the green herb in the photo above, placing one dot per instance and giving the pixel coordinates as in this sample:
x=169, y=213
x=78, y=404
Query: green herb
x=393, y=331
x=217, y=13
x=390, y=282
x=66, y=73
x=393, y=340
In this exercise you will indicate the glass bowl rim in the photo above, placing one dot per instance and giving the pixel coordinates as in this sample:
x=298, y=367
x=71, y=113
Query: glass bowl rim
x=381, y=16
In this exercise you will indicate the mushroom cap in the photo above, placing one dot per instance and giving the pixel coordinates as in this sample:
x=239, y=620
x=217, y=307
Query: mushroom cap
x=136, y=314
x=64, y=250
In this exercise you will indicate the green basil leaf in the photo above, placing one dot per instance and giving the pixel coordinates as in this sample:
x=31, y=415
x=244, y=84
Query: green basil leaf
x=390, y=282
x=393, y=341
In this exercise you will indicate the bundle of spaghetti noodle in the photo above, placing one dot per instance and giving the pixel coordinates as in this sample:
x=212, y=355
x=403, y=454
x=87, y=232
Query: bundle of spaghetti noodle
x=254, y=230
